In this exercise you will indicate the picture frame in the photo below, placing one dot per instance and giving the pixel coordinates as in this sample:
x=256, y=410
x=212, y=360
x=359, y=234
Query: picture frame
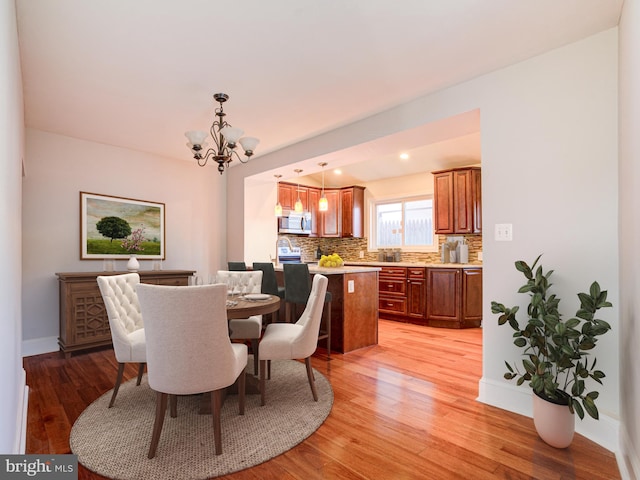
x=124, y=217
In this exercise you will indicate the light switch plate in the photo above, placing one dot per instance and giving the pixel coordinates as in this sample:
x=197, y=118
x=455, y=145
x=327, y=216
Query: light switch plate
x=351, y=286
x=504, y=232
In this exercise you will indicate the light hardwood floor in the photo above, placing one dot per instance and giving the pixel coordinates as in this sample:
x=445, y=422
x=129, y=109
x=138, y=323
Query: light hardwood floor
x=404, y=409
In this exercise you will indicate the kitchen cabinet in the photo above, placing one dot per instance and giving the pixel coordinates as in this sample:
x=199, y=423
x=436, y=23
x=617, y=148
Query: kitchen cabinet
x=288, y=195
x=329, y=221
x=314, y=198
x=392, y=291
x=83, y=318
x=402, y=293
x=343, y=218
x=416, y=293
x=352, y=212
x=458, y=201
x=454, y=297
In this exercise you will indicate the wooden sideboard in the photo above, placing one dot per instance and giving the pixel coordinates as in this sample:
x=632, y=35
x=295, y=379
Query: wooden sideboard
x=83, y=318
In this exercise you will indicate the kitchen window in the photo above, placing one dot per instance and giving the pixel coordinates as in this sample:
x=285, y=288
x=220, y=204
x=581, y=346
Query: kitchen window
x=405, y=223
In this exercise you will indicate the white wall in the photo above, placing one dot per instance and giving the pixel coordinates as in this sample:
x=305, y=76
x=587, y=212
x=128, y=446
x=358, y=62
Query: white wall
x=13, y=399
x=629, y=199
x=58, y=168
x=549, y=159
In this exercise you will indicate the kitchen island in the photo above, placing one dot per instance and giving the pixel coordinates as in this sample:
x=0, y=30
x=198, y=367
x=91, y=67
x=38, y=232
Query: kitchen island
x=354, y=306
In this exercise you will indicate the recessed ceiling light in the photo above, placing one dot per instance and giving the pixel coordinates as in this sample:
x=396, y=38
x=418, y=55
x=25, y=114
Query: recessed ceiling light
x=404, y=156
x=337, y=171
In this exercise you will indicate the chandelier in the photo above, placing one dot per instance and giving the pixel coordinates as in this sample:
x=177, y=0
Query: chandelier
x=225, y=138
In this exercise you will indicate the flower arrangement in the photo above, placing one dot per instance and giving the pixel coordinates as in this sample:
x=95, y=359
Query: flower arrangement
x=133, y=243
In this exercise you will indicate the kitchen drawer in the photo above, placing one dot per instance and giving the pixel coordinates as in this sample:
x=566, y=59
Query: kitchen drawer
x=393, y=286
x=418, y=272
x=393, y=272
x=393, y=305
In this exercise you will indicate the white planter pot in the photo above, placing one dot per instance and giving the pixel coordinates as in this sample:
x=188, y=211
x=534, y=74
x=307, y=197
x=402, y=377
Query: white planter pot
x=554, y=423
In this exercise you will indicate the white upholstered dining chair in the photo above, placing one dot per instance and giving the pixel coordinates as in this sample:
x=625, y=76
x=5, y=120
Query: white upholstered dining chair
x=188, y=349
x=125, y=322
x=289, y=341
x=245, y=328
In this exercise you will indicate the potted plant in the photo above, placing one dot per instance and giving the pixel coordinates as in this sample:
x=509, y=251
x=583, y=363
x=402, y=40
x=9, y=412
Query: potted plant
x=556, y=350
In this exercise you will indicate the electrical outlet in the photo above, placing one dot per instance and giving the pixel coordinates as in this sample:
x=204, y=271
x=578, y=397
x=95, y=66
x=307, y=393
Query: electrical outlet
x=351, y=286
x=361, y=254
x=504, y=232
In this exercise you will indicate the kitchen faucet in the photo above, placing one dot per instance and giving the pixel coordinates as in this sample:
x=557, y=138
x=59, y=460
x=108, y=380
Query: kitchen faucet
x=286, y=239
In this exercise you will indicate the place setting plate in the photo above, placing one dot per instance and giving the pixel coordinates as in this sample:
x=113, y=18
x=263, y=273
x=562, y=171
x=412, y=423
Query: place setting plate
x=256, y=297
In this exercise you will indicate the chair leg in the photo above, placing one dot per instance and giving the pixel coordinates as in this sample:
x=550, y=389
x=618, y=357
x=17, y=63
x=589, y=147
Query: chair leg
x=161, y=408
x=242, y=387
x=216, y=403
x=312, y=384
x=173, y=406
x=254, y=349
x=287, y=312
x=140, y=373
x=263, y=372
x=117, y=385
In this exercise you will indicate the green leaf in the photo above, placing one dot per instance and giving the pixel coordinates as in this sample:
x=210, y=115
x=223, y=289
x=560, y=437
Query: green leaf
x=590, y=407
x=578, y=408
x=520, y=342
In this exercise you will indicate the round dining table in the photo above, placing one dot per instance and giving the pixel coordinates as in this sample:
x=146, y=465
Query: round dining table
x=243, y=307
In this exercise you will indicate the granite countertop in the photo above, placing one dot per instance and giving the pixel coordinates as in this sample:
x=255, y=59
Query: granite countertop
x=419, y=264
x=360, y=268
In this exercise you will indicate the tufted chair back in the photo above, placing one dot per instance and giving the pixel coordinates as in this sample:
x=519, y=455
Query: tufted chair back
x=253, y=279
x=121, y=301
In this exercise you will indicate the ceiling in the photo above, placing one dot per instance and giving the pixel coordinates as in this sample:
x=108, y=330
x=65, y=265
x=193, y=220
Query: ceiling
x=138, y=74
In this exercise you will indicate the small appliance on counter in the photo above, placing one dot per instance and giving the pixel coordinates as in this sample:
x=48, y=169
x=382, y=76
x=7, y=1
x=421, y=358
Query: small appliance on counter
x=289, y=255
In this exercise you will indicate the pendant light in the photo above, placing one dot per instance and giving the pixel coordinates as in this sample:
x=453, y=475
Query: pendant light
x=323, y=204
x=278, y=208
x=298, y=208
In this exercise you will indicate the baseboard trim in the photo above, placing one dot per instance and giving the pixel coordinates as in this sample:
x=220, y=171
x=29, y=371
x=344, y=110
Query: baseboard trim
x=39, y=346
x=20, y=441
x=605, y=432
x=628, y=458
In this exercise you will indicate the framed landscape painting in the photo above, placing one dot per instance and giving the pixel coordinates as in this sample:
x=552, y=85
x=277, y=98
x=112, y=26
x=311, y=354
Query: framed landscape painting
x=115, y=227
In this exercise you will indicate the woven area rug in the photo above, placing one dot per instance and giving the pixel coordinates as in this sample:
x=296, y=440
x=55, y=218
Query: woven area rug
x=114, y=442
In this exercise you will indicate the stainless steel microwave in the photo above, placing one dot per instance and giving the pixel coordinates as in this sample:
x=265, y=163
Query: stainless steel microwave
x=295, y=223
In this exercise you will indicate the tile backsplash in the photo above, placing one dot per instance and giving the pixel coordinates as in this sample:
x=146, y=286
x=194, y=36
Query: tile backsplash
x=349, y=249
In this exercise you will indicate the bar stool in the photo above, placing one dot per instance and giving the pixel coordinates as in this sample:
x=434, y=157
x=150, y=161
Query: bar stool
x=236, y=266
x=269, y=282
x=297, y=288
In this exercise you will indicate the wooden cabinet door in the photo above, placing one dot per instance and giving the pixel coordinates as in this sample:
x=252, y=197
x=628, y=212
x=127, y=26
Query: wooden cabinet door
x=443, y=202
x=476, y=180
x=314, y=198
x=462, y=202
x=286, y=194
x=330, y=224
x=443, y=295
x=471, y=297
x=416, y=293
x=352, y=212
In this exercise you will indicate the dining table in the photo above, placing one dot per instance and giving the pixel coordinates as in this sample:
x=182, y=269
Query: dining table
x=244, y=306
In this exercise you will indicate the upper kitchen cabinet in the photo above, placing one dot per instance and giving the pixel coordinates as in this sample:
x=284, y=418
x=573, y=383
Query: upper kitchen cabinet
x=329, y=221
x=458, y=202
x=352, y=211
x=288, y=194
